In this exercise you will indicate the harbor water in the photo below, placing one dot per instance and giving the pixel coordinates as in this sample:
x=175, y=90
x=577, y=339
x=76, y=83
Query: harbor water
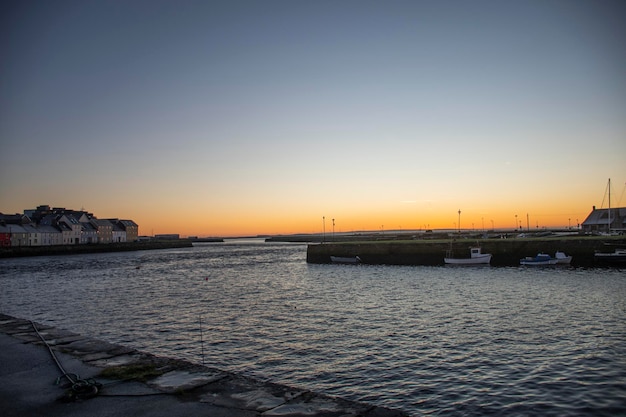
x=453, y=341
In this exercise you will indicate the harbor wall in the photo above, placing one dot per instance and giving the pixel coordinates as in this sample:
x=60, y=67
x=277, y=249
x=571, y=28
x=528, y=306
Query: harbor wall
x=120, y=380
x=18, y=251
x=506, y=252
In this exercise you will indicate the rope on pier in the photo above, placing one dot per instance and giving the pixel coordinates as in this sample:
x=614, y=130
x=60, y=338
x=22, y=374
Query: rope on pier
x=80, y=388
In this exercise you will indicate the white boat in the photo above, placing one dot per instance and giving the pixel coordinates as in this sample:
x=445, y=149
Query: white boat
x=562, y=259
x=540, y=259
x=618, y=256
x=345, y=260
x=476, y=258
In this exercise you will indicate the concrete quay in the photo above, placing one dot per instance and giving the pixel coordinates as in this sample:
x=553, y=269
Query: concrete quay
x=21, y=251
x=506, y=252
x=45, y=371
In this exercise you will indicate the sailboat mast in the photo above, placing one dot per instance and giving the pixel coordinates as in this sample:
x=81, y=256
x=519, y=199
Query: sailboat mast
x=609, y=206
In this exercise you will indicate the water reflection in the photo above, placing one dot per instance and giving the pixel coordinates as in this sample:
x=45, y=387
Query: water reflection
x=430, y=340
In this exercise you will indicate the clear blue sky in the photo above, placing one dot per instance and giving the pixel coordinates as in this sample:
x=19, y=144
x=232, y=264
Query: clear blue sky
x=205, y=117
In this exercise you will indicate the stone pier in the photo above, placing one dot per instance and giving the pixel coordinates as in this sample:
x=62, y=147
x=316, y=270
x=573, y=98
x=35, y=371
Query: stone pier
x=46, y=371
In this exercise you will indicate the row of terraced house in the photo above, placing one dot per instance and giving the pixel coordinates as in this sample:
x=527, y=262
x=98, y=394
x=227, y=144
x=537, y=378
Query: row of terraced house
x=45, y=226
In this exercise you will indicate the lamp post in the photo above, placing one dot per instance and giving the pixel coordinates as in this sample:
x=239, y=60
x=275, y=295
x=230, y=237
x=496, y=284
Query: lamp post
x=459, y=221
x=516, y=222
x=333, y=230
x=323, y=229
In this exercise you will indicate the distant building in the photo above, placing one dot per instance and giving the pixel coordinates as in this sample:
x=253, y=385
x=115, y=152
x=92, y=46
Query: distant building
x=131, y=228
x=34, y=235
x=118, y=234
x=603, y=221
x=124, y=230
x=89, y=234
x=71, y=229
x=168, y=236
x=5, y=235
x=18, y=235
x=104, y=229
x=50, y=235
x=45, y=225
x=14, y=219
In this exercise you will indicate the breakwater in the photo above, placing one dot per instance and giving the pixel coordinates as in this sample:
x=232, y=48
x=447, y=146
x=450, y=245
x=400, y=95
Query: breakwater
x=17, y=251
x=506, y=252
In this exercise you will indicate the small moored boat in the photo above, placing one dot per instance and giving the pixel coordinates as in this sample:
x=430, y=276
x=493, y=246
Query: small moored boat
x=618, y=256
x=476, y=258
x=562, y=258
x=345, y=260
x=539, y=260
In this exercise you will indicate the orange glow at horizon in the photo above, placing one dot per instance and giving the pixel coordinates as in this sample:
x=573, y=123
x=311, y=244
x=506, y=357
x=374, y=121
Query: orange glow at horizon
x=403, y=217
x=310, y=209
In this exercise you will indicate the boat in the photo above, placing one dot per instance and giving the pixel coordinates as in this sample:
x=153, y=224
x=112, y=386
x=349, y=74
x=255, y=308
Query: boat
x=540, y=259
x=562, y=258
x=618, y=256
x=345, y=260
x=476, y=258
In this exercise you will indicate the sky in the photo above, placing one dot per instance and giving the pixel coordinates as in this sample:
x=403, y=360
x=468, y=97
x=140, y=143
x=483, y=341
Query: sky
x=231, y=118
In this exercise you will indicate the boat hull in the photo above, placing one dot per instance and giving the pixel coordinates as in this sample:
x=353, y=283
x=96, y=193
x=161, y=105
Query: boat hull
x=345, y=260
x=532, y=262
x=540, y=260
x=562, y=259
x=618, y=257
x=476, y=258
x=484, y=259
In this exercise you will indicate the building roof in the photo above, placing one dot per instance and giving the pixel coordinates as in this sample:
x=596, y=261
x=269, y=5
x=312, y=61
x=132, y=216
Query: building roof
x=601, y=216
x=14, y=219
x=31, y=228
x=128, y=223
x=88, y=227
x=64, y=227
x=16, y=228
x=101, y=223
x=49, y=220
x=48, y=229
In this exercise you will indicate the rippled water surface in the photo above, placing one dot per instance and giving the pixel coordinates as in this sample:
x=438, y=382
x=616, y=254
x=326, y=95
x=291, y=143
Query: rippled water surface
x=428, y=340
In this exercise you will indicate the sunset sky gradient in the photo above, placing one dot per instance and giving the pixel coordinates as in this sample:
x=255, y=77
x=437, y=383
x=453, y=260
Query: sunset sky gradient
x=261, y=117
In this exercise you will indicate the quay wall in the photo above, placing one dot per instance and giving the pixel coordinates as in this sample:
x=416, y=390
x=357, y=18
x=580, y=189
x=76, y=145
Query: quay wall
x=18, y=251
x=506, y=252
x=123, y=381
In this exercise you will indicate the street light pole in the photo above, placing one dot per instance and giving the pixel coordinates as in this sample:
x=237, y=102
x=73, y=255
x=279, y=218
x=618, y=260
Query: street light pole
x=459, y=221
